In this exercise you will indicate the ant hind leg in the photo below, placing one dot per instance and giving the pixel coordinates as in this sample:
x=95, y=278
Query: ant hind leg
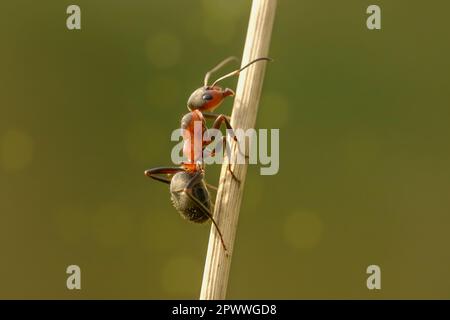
x=156, y=173
x=188, y=190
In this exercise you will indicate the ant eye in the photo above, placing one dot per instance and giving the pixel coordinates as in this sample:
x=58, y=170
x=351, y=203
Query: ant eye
x=207, y=97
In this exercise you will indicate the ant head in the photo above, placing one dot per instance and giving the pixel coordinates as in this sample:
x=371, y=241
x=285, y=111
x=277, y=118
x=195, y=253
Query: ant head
x=207, y=98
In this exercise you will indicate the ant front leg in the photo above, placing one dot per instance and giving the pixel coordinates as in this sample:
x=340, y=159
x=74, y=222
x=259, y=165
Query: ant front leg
x=156, y=172
x=217, y=123
x=213, y=116
x=218, y=120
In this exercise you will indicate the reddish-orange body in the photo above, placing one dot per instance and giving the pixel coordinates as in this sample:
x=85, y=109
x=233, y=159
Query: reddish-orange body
x=194, y=128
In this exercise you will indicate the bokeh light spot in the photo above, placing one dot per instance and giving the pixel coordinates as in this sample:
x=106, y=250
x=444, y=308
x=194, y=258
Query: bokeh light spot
x=219, y=24
x=162, y=93
x=164, y=50
x=16, y=150
x=303, y=230
x=71, y=224
x=220, y=19
x=111, y=225
x=181, y=277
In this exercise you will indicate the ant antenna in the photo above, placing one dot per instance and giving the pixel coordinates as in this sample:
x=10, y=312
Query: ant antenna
x=220, y=65
x=236, y=72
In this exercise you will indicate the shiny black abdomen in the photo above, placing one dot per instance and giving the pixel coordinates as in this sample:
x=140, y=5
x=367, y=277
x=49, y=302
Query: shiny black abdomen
x=186, y=206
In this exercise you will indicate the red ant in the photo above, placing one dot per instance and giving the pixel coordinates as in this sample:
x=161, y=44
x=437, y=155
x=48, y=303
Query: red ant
x=189, y=192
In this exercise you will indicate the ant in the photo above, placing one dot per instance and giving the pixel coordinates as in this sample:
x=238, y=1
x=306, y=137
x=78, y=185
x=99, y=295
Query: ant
x=189, y=192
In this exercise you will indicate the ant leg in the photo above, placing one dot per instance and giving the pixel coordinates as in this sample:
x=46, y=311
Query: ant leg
x=156, y=172
x=213, y=153
x=232, y=173
x=188, y=191
x=213, y=116
x=219, y=119
x=211, y=186
x=217, y=123
x=208, y=213
x=224, y=142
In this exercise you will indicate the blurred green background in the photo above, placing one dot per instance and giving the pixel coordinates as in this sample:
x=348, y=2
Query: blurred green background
x=364, y=167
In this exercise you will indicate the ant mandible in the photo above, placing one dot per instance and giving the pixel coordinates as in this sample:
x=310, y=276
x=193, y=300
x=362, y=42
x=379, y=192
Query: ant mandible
x=189, y=192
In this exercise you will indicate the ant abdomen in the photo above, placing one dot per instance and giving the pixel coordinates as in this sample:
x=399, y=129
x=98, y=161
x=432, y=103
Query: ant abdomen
x=190, y=206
